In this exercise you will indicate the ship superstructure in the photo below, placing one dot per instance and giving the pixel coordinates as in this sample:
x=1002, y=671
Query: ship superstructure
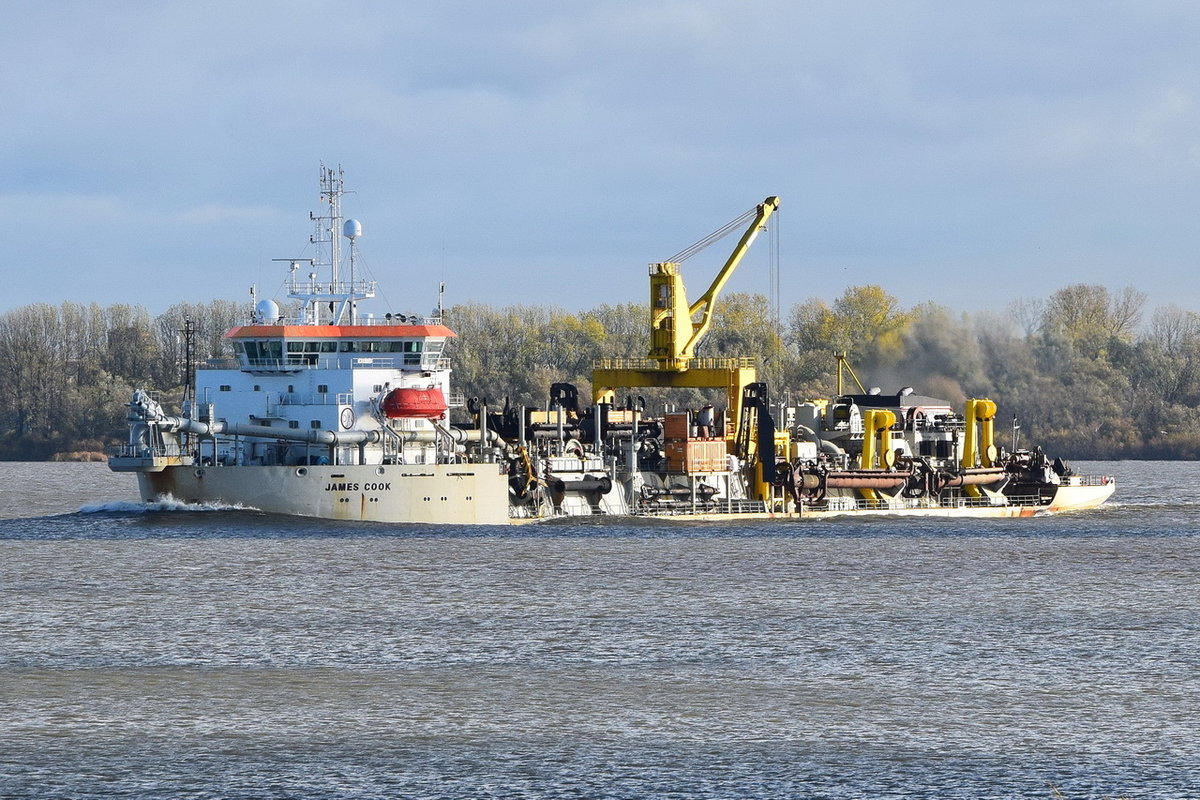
x=323, y=410
x=326, y=411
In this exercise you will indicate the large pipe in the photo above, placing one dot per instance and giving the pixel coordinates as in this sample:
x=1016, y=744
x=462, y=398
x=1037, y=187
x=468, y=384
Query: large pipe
x=875, y=421
x=824, y=445
x=866, y=480
x=984, y=411
x=589, y=483
x=969, y=437
x=311, y=435
x=972, y=478
x=322, y=437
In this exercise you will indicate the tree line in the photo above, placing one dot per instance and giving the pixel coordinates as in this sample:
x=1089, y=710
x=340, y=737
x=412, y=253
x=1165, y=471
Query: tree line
x=1085, y=372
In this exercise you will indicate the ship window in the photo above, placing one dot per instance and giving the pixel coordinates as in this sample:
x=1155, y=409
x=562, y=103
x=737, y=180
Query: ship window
x=370, y=347
x=316, y=423
x=312, y=347
x=225, y=387
x=256, y=388
x=412, y=358
x=393, y=347
x=434, y=347
x=239, y=348
x=293, y=423
x=412, y=347
x=273, y=349
x=291, y=388
x=322, y=388
x=295, y=347
x=349, y=347
x=329, y=347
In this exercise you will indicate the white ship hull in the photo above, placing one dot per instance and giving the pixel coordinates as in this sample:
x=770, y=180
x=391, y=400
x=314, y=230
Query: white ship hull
x=477, y=494
x=462, y=494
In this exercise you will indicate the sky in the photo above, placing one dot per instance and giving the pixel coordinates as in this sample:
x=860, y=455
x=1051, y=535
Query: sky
x=965, y=153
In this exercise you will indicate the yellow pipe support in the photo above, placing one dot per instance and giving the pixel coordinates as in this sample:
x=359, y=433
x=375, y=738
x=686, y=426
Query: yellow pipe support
x=762, y=489
x=876, y=422
x=969, y=436
x=884, y=423
x=985, y=412
x=969, y=444
x=982, y=412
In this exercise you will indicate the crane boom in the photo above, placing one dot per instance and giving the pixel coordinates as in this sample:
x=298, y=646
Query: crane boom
x=673, y=333
x=708, y=299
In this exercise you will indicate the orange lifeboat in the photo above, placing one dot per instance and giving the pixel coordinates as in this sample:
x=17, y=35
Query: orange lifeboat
x=421, y=403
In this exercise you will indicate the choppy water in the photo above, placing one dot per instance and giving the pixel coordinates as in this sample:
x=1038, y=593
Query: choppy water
x=168, y=653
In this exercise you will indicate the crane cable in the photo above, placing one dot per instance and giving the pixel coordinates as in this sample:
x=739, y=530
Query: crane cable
x=715, y=236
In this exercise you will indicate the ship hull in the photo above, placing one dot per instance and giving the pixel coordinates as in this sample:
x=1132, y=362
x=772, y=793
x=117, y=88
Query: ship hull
x=467, y=494
x=1066, y=499
x=434, y=493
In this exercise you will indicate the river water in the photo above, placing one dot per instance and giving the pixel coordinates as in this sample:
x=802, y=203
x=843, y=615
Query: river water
x=164, y=652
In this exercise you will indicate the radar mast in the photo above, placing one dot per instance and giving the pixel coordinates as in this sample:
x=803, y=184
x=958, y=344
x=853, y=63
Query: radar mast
x=337, y=298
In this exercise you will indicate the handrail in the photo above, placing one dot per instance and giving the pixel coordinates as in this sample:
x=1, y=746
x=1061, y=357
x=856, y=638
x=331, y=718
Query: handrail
x=693, y=363
x=336, y=361
x=372, y=320
x=145, y=451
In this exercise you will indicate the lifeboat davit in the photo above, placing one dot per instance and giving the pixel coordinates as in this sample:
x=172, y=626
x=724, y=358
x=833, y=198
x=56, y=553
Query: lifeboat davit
x=408, y=403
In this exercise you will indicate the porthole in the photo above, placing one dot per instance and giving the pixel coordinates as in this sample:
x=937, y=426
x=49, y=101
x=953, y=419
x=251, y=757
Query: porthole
x=302, y=471
x=379, y=470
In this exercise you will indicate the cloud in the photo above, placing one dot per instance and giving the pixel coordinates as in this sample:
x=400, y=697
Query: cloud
x=909, y=141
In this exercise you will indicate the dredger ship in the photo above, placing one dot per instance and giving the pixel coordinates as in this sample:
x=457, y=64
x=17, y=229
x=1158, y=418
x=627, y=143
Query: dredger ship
x=327, y=412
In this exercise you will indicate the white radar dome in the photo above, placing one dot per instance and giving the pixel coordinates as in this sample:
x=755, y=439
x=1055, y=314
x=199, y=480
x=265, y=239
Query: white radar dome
x=266, y=311
x=352, y=229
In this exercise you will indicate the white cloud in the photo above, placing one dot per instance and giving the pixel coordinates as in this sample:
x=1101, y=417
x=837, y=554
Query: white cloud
x=582, y=140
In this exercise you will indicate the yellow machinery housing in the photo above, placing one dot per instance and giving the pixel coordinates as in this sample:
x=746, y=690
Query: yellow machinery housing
x=675, y=332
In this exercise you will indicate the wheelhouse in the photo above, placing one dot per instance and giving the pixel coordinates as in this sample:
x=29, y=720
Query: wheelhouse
x=292, y=347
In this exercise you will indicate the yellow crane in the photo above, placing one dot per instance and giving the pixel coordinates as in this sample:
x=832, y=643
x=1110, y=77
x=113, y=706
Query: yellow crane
x=675, y=331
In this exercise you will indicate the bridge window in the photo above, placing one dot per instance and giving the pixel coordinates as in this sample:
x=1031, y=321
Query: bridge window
x=412, y=352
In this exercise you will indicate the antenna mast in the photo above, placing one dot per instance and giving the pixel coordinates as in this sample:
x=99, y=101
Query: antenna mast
x=332, y=189
x=337, y=296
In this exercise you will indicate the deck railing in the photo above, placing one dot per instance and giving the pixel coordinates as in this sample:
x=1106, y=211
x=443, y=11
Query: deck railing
x=644, y=364
x=297, y=363
x=145, y=451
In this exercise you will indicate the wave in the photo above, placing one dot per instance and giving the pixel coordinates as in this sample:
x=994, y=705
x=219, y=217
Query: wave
x=163, y=503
